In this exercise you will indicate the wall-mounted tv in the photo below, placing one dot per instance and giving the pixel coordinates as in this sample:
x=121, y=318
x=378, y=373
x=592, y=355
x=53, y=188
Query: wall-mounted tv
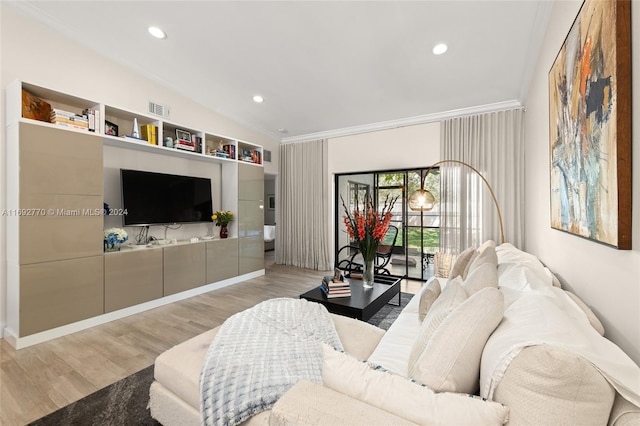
x=161, y=199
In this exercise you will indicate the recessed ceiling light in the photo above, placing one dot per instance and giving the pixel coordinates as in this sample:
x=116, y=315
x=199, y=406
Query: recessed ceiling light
x=439, y=49
x=257, y=98
x=283, y=130
x=157, y=32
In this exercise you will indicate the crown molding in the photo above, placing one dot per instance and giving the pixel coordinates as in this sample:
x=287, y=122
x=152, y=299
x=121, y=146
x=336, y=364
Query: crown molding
x=403, y=122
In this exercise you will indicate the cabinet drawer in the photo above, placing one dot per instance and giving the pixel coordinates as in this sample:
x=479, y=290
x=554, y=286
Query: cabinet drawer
x=222, y=259
x=57, y=161
x=132, y=277
x=184, y=267
x=53, y=294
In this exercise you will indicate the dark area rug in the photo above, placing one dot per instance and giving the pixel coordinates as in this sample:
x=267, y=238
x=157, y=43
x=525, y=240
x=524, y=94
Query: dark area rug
x=125, y=402
x=388, y=314
x=122, y=403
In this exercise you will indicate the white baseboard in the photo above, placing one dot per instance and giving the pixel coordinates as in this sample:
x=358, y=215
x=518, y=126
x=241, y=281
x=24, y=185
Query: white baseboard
x=23, y=342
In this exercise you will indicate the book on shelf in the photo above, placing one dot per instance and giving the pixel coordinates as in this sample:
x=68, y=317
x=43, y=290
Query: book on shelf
x=90, y=113
x=134, y=138
x=62, y=113
x=186, y=145
x=72, y=126
x=231, y=150
x=149, y=133
x=71, y=120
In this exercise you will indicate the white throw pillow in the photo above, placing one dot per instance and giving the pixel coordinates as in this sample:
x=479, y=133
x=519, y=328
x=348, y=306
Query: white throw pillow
x=486, y=244
x=486, y=256
x=407, y=399
x=483, y=276
x=428, y=297
x=452, y=296
x=450, y=361
x=463, y=260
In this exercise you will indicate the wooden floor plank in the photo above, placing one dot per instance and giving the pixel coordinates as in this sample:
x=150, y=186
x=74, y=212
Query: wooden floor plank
x=42, y=378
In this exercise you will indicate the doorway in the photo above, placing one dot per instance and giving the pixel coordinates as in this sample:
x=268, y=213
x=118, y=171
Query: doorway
x=419, y=231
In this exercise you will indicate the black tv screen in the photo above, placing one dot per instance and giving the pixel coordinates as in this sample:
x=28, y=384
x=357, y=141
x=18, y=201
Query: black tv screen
x=160, y=199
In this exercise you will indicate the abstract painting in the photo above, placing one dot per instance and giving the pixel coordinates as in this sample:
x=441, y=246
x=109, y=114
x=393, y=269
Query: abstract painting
x=590, y=126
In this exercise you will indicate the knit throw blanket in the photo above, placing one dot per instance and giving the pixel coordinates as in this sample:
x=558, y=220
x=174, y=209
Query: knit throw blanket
x=259, y=354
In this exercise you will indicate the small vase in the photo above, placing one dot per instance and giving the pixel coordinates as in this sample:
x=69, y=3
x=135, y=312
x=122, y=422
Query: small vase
x=108, y=248
x=367, y=274
x=224, y=232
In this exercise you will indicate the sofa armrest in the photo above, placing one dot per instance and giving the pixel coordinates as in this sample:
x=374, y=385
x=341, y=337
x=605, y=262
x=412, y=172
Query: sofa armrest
x=624, y=413
x=358, y=338
x=309, y=403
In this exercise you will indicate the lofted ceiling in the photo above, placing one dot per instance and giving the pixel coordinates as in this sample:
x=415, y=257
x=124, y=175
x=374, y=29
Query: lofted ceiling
x=320, y=66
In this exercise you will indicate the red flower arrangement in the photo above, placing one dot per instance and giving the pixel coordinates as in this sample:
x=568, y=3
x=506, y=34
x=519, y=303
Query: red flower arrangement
x=369, y=227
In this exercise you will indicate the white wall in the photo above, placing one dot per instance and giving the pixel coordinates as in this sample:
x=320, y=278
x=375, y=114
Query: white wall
x=32, y=52
x=608, y=280
x=402, y=148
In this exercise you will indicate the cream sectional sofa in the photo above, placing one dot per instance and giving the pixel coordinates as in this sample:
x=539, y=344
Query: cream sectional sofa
x=534, y=375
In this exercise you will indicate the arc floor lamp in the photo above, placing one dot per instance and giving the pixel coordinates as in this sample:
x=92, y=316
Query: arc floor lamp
x=423, y=200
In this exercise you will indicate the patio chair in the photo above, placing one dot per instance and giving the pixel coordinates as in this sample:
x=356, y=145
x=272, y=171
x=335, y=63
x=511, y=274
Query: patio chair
x=354, y=263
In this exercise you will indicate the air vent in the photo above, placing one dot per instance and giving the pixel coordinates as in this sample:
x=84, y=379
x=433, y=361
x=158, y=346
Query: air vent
x=267, y=155
x=159, y=109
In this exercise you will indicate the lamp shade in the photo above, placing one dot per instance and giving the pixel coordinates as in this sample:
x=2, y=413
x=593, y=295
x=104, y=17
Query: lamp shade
x=421, y=200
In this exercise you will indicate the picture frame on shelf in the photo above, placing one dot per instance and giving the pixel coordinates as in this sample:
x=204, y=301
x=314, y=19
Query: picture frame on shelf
x=110, y=128
x=183, y=135
x=184, y=141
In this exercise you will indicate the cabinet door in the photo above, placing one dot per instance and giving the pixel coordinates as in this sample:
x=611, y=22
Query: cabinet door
x=250, y=182
x=132, y=277
x=184, y=267
x=250, y=254
x=71, y=228
x=57, y=161
x=250, y=219
x=58, y=293
x=222, y=259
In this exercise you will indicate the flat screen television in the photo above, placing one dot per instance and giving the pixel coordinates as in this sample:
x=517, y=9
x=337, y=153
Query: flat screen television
x=161, y=199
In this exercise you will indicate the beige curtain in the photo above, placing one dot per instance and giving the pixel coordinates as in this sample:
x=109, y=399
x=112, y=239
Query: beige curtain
x=493, y=143
x=302, y=230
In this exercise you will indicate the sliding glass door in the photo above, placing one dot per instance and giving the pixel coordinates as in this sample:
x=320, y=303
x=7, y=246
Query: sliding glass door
x=419, y=231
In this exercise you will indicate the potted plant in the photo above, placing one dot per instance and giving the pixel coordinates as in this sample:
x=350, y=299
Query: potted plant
x=222, y=219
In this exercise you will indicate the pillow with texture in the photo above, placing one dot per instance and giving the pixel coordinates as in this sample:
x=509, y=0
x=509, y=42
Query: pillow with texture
x=486, y=256
x=452, y=296
x=427, y=297
x=450, y=361
x=462, y=261
x=483, y=276
x=486, y=244
x=474, y=256
x=405, y=398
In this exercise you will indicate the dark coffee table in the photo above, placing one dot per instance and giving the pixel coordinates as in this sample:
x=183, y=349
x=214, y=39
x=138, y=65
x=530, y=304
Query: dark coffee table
x=363, y=303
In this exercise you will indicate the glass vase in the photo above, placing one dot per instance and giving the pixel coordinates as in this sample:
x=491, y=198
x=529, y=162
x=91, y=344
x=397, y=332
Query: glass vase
x=367, y=274
x=108, y=248
x=224, y=232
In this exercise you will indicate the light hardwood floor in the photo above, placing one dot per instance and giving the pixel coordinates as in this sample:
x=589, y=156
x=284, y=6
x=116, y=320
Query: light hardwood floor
x=38, y=380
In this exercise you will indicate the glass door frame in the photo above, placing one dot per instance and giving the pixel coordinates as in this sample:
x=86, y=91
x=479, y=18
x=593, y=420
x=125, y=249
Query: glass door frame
x=404, y=228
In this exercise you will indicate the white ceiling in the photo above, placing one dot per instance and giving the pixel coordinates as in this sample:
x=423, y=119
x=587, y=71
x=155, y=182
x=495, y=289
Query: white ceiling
x=319, y=65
